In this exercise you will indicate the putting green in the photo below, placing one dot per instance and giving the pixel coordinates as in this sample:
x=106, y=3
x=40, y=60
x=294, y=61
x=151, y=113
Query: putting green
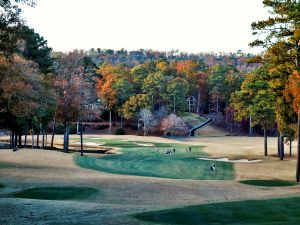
x=56, y=193
x=272, y=211
x=147, y=161
x=269, y=183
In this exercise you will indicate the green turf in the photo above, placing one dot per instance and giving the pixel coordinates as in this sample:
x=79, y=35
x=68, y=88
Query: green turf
x=192, y=118
x=269, y=183
x=146, y=161
x=57, y=193
x=272, y=211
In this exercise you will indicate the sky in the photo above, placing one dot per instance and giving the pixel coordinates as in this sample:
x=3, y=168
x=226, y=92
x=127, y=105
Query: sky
x=187, y=25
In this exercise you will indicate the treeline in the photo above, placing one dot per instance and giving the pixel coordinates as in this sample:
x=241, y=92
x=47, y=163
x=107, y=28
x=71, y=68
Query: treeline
x=133, y=58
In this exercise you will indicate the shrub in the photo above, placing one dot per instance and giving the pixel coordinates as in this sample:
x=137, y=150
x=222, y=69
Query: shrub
x=120, y=131
x=102, y=126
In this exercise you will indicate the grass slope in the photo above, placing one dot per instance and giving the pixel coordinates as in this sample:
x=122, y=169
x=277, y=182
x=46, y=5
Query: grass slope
x=57, y=193
x=272, y=211
x=146, y=161
x=269, y=183
x=192, y=118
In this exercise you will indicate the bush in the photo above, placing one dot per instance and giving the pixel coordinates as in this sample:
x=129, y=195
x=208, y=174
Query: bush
x=102, y=127
x=120, y=131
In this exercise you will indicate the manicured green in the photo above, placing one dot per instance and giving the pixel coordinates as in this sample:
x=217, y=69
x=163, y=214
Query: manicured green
x=271, y=212
x=192, y=118
x=146, y=161
x=269, y=183
x=57, y=193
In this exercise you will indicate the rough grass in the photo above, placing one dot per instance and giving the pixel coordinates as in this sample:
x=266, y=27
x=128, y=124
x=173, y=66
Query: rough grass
x=57, y=193
x=269, y=183
x=272, y=211
x=192, y=118
x=146, y=161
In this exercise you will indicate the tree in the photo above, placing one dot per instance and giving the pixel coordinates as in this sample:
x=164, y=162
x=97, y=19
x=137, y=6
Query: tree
x=134, y=104
x=154, y=85
x=292, y=94
x=282, y=35
x=177, y=90
x=146, y=117
x=34, y=47
x=174, y=125
x=68, y=86
x=255, y=100
x=10, y=23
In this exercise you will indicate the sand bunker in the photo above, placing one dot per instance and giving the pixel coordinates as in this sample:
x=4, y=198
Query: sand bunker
x=231, y=160
x=96, y=138
x=145, y=144
x=89, y=143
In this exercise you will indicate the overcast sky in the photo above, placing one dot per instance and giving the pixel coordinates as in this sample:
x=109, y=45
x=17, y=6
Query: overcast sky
x=186, y=25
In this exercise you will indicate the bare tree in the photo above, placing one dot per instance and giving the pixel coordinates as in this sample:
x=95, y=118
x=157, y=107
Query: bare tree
x=174, y=125
x=146, y=117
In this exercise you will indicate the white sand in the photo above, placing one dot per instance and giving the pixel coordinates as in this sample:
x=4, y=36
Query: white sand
x=89, y=143
x=146, y=144
x=231, y=160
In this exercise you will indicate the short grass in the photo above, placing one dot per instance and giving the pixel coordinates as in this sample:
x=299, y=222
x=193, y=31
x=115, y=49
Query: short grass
x=272, y=211
x=269, y=183
x=57, y=193
x=192, y=118
x=147, y=161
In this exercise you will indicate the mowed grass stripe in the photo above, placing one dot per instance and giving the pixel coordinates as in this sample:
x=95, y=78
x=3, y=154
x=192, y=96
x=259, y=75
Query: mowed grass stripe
x=146, y=161
x=57, y=193
x=272, y=211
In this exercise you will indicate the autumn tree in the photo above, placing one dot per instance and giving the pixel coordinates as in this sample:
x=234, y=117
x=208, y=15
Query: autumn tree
x=174, y=125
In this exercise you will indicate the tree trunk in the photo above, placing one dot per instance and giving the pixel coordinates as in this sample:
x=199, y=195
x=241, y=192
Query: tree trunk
x=32, y=137
x=20, y=140
x=278, y=144
x=121, y=121
x=298, y=149
x=37, y=139
x=290, y=148
x=43, y=139
x=16, y=139
x=46, y=138
x=53, y=133
x=11, y=140
x=109, y=122
x=281, y=146
x=81, y=138
x=250, y=126
x=25, y=138
x=66, y=138
x=266, y=142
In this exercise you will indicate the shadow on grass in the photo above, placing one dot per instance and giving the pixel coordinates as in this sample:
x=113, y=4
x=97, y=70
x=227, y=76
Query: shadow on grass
x=272, y=211
x=269, y=183
x=56, y=193
x=2, y=185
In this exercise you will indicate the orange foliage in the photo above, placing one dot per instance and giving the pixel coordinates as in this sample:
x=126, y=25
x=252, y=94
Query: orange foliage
x=292, y=90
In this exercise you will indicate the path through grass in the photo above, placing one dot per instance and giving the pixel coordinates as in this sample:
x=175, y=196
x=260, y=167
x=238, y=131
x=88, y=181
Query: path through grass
x=146, y=161
x=57, y=193
x=272, y=212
